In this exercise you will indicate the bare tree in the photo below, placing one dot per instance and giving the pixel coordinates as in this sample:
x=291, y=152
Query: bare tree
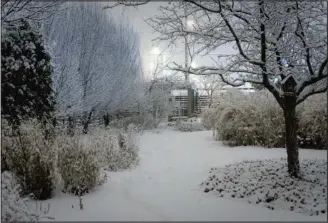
x=211, y=84
x=34, y=11
x=284, y=40
x=265, y=35
x=96, y=60
x=154, y=96
x=125, y=3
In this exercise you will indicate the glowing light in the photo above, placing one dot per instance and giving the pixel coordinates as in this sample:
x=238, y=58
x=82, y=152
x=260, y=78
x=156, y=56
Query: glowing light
x=155, y=50
x=190, y=23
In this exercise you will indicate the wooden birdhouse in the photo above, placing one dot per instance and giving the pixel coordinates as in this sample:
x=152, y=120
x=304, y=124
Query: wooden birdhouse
x=289, y=84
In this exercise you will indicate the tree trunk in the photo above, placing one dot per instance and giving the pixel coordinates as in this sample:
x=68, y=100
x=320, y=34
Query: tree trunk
x=154, y=113
x=291, y=135
x=86, y=122
x=106, y=119
x=70, y=128
x=54, y=122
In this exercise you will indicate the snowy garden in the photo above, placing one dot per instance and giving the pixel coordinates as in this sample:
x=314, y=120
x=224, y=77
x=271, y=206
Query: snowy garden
x=88, y=135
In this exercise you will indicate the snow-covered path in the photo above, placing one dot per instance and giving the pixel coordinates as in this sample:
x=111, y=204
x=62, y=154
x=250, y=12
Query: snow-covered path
x=165, y=186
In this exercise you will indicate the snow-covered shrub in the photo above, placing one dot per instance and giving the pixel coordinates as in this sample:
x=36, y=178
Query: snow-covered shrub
x=78, y=166
x=209, y=118
x=257, y=119
x=26, y=84
x=189, y=126
x=254, y=119
x=6, y=131
x=125, y=156
x=116, y=149
x=14, y=208
x=31, y=158
x=123, y=152
x=82, y=158
x=312, y=126
x=143, y=122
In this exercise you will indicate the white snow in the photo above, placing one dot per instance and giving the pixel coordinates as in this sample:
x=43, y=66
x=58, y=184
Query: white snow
x=13, y=207
x=267, y=183
x=190, y=125
x=182, y=92
x=30, y=46
x=166, y=184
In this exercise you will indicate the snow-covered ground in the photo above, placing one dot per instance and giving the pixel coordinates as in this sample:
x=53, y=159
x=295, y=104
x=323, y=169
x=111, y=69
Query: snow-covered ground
x=166, y=184
x=267, y=183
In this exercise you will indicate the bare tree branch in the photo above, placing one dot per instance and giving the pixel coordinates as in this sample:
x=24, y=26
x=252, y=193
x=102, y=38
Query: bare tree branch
x=35, y=11
x=126, y=3
x=262, y=34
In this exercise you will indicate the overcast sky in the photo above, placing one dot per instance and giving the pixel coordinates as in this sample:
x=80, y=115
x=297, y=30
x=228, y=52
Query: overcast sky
x=136, y=17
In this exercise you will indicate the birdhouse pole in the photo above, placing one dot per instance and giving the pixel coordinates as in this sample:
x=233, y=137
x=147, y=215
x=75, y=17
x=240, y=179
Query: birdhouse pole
x=289, y=88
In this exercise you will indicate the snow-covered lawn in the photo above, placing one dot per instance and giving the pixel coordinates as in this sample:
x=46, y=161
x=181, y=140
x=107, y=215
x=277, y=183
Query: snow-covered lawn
x=166, y=184
x=266, y=182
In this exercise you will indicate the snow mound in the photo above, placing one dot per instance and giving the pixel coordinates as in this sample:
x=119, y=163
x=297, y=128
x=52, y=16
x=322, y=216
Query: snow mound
x=14, y=208
x=190, y=125
x=267, y=183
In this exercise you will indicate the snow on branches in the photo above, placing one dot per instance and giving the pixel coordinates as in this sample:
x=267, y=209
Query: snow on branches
x=96, y=61
x=261, y=33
